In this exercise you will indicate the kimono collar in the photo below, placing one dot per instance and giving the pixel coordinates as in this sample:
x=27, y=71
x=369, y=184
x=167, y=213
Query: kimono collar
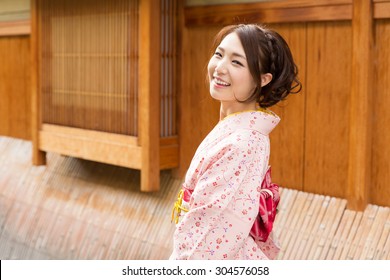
x=263, y=121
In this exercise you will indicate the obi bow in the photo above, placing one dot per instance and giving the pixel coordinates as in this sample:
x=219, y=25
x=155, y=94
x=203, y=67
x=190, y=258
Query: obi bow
x=269, y=200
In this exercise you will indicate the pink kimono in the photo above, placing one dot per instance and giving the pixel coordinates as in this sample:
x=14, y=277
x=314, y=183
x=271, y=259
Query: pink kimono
x=220, y=197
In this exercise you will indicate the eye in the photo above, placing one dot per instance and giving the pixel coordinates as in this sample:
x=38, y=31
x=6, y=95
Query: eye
x=237, y=62
x=218, y=54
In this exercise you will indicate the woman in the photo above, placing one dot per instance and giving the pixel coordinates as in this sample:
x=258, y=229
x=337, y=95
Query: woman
x=227, y=204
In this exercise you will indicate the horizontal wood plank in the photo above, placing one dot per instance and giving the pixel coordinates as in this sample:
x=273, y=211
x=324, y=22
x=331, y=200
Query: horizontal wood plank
x=91, y=134
x=268, y=12
x=15, y=28
x=106, y=147
x=96, y=149
x=381, y=10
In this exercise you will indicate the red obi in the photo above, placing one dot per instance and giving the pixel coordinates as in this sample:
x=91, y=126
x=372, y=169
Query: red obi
x=269, y=200
x=267, y=209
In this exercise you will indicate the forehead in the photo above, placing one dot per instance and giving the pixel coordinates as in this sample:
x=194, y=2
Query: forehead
x=232, y=43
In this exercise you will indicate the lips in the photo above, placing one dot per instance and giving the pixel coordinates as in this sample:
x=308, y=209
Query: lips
x=220, y=82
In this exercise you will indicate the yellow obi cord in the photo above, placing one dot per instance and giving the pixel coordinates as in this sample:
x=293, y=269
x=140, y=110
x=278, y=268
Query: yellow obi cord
x=177, y=207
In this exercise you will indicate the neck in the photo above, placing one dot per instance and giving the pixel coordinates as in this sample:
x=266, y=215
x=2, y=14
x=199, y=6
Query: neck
x=228, y=108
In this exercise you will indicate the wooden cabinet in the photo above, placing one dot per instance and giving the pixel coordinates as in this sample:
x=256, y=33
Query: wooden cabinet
x=103, y=83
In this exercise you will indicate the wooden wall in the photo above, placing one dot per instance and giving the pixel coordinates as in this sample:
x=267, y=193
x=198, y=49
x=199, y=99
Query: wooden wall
x=380, y=193
x=314, y=145
x=15, y=102
x=15, y=69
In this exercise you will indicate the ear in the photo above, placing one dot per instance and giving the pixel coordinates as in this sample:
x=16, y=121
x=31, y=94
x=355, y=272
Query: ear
x=265, y=79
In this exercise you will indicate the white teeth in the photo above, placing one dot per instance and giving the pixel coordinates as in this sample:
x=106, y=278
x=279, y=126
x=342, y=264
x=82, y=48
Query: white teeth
x=220, y=82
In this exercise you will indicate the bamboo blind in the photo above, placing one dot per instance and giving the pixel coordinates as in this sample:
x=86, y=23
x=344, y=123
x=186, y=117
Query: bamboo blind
x=89, y=65
x=168, y=69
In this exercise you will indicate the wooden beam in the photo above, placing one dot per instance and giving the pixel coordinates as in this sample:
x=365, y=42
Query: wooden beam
x=15, y=28
x=381, y=9
x=38, y=157
x=106, y=147
x=116, y=149
x=149, y=93
x=269, y=12
x=359, y=170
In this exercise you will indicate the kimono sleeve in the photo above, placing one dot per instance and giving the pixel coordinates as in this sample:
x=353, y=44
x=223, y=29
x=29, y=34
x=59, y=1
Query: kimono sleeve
x=223, y=206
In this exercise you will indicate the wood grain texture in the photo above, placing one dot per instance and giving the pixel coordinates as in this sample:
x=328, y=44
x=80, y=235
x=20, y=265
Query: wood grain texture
x=149, y=93
x=199, y=113
x=270, y=12
x=328, y=77
x=15, y=28
x=327, y=65
x=38, y=156
x=360, y=124
x=287, y=145
x=15, y=99
x=98, y=146
x=382, y=10
x=110, y=68
x=379, y=185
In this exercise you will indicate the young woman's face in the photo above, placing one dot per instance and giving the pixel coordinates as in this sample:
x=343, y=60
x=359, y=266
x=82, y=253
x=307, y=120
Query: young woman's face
x=229, y=76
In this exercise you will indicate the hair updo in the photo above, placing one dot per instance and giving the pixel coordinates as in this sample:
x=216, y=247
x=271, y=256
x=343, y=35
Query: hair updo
x=266, y=52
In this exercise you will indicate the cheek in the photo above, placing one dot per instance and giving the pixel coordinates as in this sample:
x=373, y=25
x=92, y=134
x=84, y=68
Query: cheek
x=246, y=84
x=246, y=79
x=210, y=68
x=250, y=80
x=254, y=85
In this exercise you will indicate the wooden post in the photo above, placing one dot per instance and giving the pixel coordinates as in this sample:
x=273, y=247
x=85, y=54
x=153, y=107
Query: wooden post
x=149, y=93
x=38, y=157
x=180, y=171
x=359, y=172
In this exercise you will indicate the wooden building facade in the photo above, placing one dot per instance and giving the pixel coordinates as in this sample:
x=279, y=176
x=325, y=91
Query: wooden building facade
x=332, y=139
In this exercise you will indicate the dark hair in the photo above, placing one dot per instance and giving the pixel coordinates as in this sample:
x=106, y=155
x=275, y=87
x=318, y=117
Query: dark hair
x=266, y=52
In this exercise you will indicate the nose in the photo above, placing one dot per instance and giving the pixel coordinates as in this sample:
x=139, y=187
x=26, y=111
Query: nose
x=221, y=67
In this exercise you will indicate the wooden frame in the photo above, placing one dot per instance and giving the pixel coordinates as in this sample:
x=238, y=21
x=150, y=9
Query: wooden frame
x=15, y=28
x=148, y=151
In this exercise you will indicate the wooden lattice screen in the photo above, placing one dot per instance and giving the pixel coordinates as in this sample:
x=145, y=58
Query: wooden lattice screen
x=91, y=65
x=89, y=69
x=168, y=69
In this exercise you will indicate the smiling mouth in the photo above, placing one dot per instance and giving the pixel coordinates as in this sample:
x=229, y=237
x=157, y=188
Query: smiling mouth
x=220, y=82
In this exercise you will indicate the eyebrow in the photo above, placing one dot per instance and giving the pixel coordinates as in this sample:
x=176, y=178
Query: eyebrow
x=234, y=54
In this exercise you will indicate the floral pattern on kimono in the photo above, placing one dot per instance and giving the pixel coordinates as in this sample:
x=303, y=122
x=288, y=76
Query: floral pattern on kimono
x=223, y=186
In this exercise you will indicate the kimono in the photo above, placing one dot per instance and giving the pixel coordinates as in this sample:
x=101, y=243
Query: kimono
x=220, y=198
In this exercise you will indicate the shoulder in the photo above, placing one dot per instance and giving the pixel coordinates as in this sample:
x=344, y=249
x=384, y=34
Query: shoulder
x=238, y=143
x=245, y=137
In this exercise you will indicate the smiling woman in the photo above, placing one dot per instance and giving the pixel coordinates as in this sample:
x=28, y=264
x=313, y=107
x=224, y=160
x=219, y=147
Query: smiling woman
x=227, y=204
x=230, y=78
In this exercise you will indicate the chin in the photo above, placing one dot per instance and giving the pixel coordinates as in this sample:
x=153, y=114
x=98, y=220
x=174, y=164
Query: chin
x=215, y=95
